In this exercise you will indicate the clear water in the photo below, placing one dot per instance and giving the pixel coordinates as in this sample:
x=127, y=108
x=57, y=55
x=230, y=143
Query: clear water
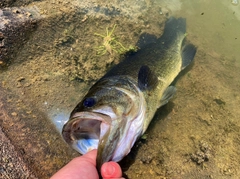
x=196, y=135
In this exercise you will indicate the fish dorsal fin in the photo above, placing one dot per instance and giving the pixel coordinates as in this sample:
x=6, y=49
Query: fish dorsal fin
x=146, y=78
x=167, y=95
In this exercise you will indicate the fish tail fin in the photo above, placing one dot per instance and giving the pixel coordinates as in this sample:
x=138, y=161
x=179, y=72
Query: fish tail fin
x=174, y=26
x=174, y=29
x=175, y=32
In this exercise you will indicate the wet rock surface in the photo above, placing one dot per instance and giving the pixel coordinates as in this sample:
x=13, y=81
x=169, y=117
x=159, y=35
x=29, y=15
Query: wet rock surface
x=12, y=164
x=26, y=150
x=6, y=3
x=16, y=25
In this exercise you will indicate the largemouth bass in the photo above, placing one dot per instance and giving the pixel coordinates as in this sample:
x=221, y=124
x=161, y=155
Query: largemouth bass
x=118, y=108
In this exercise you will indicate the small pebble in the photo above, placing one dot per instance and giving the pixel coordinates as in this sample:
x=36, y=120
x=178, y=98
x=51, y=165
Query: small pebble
x=14, y=114
x=20, y=79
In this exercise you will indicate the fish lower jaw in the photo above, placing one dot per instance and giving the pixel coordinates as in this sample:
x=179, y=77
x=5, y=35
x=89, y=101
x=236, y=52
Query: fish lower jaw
x=84, y=145
x=85, y=131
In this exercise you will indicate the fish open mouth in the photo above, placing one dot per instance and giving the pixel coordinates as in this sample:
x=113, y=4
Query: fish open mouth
x=85, y=129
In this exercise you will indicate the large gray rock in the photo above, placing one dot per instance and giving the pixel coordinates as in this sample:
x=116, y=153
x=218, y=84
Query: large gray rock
x=16, y=25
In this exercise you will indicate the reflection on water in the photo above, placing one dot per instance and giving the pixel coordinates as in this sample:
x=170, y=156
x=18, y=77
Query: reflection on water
x=235, y=2
x=194, y=136
x=59, y=119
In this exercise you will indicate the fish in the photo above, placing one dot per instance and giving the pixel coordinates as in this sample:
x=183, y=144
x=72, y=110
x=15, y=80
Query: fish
x=118, y=108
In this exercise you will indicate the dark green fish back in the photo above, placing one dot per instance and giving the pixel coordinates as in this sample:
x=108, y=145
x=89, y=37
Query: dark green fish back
x=153, y=53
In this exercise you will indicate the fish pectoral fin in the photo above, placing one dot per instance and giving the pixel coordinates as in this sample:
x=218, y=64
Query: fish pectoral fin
x=167, y=95
x=188, y=53
x=147, y=79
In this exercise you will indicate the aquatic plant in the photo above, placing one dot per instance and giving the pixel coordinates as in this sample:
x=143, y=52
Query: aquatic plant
x=110, y=44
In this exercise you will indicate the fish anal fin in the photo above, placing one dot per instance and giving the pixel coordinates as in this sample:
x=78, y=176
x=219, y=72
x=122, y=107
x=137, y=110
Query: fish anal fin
x=167, y=95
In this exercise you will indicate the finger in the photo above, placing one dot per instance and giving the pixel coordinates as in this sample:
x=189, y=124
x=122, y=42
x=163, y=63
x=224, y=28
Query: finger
x=83, y=167
x=111, y=170
x=90, y=157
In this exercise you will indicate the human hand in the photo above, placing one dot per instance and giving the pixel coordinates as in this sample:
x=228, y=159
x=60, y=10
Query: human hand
x=84, y=167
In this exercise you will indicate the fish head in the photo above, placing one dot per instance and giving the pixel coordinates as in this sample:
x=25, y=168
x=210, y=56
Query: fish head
x=109, y=118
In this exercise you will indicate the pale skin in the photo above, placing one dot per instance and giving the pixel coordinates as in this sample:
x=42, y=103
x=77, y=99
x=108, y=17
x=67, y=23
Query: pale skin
x=84, y=167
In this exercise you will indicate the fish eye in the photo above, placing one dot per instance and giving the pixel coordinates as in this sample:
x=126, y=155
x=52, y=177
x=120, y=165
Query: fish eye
x=89, y=102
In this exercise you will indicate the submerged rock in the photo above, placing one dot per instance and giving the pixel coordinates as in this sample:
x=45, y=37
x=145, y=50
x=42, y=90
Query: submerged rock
x=16, y=24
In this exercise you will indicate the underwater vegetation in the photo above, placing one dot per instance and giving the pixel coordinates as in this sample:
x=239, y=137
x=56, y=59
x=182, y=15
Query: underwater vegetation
x=110, y=44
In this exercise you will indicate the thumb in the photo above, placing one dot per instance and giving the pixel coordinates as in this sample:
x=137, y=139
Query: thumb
x=111, y=170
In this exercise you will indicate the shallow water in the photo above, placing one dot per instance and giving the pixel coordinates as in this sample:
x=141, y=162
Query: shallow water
x=196, y=135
